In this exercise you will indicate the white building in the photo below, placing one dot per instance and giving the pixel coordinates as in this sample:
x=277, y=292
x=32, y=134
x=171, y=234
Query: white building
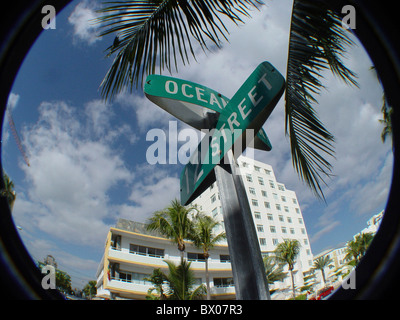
x=132, y=253
x=339, y=264
x=277, y=216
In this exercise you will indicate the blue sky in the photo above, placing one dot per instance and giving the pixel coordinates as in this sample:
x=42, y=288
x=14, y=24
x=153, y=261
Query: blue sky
x=88, y=158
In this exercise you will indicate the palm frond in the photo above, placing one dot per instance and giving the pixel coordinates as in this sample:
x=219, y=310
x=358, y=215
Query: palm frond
x=155, y=33
x=317, y=42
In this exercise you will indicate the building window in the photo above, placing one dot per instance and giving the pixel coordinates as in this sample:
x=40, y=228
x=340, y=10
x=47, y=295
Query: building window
x=264, y=193
x=278, y=207
x=294, y=201
x=224, y=258
x=249, y=177
x=283, y=230
x=257, y=215
x=300, y=221
x=281, y=218
x=192, y=256
x=270, y=217
x=297, y=210
x=303, y=231
x=146, y=251
x=223, y=282
x=275, y=241
x=252, y=191
x=213, y=198
x=271, y=184
x=257, y=168
x=254, y=202
x=261, y=181
x=305, y=241
x=292, y=230
x=289, y=219
x=260, y=228
x=268, y=172
x=286, y=209
x=126, y=276
x=263, y=242
x=283, y=198
x=245, y=165
x=272, y=229
x=267, y=205
x=281, y=187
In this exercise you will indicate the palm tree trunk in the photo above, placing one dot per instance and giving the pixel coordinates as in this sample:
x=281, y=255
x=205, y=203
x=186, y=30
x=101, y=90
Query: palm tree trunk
x=291, y=274
x=208, y=281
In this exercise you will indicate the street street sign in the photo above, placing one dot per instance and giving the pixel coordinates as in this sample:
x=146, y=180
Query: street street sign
x=243, y=115
x=194, y=104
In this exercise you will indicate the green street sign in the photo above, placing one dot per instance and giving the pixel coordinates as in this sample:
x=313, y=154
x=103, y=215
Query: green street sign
x=243, y=115
x=190, y=102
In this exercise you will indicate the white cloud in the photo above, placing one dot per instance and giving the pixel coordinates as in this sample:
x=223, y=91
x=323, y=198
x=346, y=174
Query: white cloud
x=85, y=29
x=153, y=193
x=70, y=176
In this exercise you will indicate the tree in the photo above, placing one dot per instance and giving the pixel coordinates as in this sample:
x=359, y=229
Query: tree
x=63, y=281
x=286, y=253
x=174, y=223
x=155, y=33
x=205, y=239
x=90, y=289
x=356, y=248
x=157, y=278
x=321, y=263
x=181, y=281
x=273, y=270
x=8, y=191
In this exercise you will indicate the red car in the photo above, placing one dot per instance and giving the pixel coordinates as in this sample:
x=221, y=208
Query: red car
x=322, y=293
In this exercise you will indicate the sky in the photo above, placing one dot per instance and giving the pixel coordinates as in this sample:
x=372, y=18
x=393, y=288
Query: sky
x=87, y=157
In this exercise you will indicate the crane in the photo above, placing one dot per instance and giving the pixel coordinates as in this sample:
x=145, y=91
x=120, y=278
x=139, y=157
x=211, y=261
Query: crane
x=16, y=137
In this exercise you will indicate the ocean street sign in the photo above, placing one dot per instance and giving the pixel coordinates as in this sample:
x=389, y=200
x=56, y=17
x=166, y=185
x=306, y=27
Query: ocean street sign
x=192, y=103
x=243, y=115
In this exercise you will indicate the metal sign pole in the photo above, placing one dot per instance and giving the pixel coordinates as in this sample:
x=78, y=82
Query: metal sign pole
x=249, y=278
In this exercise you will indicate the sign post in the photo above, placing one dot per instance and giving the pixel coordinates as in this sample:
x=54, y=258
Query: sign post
x=233, y=124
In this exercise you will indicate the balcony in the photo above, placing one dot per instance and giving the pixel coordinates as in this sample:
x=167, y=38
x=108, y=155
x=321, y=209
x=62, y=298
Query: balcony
x=157, y=261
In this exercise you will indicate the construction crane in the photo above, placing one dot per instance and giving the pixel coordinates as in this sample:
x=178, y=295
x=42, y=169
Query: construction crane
x=16, y=137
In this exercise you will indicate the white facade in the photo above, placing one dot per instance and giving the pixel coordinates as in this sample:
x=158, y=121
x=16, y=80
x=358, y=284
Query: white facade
x=132, y=253
x=276, y=214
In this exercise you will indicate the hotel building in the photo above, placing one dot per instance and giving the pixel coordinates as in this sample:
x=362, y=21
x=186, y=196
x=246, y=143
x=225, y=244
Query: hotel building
x=131, y=252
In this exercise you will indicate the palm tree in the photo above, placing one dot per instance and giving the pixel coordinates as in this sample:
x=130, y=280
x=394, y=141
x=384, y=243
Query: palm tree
x=273, y=271
x=157, y=278
x=181, y=281
x=357, y=247
x=90, y=289
x=387, y=112
x=286, y=253
x=352, y=252
x=321, y=263
x=205, y=239
x=174, y=223
x=154, y=34
x=8, y=191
